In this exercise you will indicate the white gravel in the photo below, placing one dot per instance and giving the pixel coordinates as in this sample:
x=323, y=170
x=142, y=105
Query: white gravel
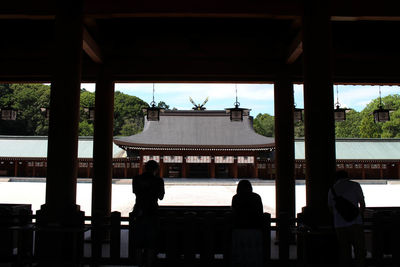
x=219, y=193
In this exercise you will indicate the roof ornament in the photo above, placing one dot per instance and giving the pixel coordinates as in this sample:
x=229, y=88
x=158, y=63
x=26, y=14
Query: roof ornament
x=198, y=106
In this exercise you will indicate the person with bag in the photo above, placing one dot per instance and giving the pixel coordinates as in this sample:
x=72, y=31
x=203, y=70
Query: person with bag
x=346, y=201
x=148, y=188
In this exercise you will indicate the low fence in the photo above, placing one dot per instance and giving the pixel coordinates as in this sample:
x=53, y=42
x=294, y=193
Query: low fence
x=197, y=236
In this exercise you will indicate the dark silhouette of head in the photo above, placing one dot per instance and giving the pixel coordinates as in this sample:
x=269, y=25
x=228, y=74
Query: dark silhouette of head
x=341, y=175
x=243, y=187
x=151, y=167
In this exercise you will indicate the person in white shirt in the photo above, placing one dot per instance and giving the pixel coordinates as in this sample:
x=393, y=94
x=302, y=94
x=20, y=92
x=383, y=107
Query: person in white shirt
x=349, y=233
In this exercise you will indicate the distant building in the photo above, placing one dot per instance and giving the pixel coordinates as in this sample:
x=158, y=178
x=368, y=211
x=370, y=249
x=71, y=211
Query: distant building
x=201, y=144
x=26, y=156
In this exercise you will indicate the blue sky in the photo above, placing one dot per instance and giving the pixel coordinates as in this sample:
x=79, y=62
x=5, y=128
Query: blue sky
x=257, y=97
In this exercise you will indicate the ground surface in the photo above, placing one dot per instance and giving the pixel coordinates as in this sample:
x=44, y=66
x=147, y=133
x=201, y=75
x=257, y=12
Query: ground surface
x=186, y=192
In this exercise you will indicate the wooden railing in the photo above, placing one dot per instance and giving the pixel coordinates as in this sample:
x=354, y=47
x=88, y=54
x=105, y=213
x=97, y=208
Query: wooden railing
x=201, y=238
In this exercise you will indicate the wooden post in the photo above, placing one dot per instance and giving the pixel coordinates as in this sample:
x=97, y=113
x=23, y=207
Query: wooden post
x=34, y=169
x=319, y=125
x=184, y=167
x=15, y=168
x=88, y=169
x=103, y=146
x=161, y=166
x=125, y=169
x=212, y=167
x=60, y=209
x=363, y=170
x=235, y=167
x=284, y=143
x=255, y=168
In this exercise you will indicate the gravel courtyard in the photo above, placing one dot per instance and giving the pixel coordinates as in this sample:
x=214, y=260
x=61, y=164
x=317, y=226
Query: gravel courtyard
x=186, y=192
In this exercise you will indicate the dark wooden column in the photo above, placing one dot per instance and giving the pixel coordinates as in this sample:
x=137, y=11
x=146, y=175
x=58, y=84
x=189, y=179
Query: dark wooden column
x=103, y=144
x=54, y=242
x=284, y=143
x=212, y=167
x=184, y=167
x=161, y=166
x=64, y=105
x=318, y=107
x=255, y=168
x=235, y=167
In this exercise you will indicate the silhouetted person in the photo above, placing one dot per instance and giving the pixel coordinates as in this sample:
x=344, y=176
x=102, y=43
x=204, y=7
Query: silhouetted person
x=349, y=232
x=247, y=206
x=247, y=235
x=148, y=188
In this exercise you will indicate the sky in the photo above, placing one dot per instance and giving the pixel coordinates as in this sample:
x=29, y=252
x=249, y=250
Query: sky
x=257, y=97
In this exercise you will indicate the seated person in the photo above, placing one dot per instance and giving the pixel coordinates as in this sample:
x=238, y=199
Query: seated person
x=247, y=207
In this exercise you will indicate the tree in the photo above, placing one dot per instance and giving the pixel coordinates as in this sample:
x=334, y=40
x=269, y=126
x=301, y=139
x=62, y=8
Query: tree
x=264, y=124
x=128, y=110
x=350, y=128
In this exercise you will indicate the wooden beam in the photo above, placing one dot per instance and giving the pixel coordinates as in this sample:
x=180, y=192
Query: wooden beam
x=295, y=49
x=91, y=47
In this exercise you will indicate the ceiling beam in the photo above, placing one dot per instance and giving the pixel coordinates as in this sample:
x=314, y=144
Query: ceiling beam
x=91, y=47
x=295, y=49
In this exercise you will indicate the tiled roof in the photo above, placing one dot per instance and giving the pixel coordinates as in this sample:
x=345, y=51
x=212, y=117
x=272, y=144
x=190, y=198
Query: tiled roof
x=352, y=149
x=197, y=129
x=36, y=147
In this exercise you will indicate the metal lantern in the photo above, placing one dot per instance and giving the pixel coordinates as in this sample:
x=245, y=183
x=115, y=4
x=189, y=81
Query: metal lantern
x=236, y=113
x=8, y=114
x=153, y=112
x=381, y=114
x=340, y=113
x=45, y=112
x=90, y=111
x=298, y=114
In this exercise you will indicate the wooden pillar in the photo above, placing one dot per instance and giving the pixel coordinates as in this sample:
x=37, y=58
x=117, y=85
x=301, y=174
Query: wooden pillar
x=398, y=170
x=363, y=170
x=319, y=124
x=184, y=167
x=64, y=105
x=60, y=211
x=141, y=164
x=235, y=167
x=34, y=169
x=284, y=146
x=15, y=168
x=212, y=167
x=125, y=169
x=103, y=144
x=88, y=169
x=255, y=168
x=161, y=166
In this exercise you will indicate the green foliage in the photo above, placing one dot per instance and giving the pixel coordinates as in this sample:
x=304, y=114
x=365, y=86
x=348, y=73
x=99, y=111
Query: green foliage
x=163, y=105
x=29, y=98
x=350, y=128
x=128, y=110
x=264, y=124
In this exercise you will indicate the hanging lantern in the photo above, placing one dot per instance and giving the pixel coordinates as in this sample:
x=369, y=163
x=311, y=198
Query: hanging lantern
x=339, y=113
x=236, y=113
x=153, y=112
x=381, y=114
x=90, y=112
x=297, y=114
x=8, y=114
x=45, y=112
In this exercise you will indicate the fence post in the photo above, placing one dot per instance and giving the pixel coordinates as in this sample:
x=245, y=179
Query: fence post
x=283, y=236
x=115, y=235
x=131, y=241
x=267, y=224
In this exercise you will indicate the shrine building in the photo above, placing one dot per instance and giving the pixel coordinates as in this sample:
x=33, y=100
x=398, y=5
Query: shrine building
x=201, y=144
